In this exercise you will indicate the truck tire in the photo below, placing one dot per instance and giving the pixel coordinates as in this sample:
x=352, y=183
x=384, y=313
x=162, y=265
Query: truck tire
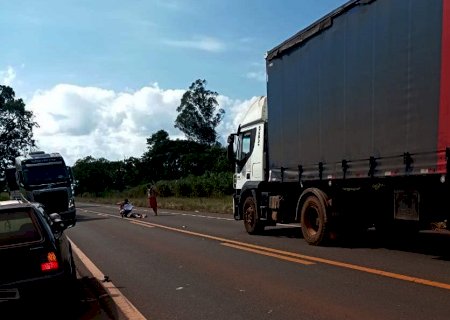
x=251, y=220
x=314, y=221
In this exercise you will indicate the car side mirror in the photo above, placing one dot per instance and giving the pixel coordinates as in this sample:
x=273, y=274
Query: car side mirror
x=58, y=224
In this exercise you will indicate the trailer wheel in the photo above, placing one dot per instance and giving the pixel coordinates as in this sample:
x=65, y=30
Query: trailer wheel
x=314, y=221
x=251, y=220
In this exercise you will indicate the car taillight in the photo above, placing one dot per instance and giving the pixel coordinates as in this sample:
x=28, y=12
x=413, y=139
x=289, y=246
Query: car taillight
x=51, y=263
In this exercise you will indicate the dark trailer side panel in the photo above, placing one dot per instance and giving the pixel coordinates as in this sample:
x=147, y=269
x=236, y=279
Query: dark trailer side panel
x=364, y=81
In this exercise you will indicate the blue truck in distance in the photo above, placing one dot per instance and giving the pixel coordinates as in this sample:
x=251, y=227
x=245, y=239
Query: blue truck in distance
x=44, y=178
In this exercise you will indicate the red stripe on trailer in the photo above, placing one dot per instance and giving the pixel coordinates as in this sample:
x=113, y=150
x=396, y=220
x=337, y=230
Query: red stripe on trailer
x=444, y=108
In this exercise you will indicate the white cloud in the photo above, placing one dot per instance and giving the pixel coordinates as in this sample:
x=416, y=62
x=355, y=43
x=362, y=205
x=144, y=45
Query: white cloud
x=7, y=76
x=200, y=43
x=87, y=121
x=257, y=71
x=235, y=110
x=258, y=76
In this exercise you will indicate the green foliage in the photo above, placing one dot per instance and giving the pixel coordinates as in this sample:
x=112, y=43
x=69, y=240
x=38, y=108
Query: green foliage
x=165, y=188
x=175, y=159
x=208, y=185
x=182, y=188
x=198, y=117
x=16, y=127
x=100, y=176
x=4, y=196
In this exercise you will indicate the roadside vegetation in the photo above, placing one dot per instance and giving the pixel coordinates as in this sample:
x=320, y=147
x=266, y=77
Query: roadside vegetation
x=207, y=193
x=16, y=129
x=221, y=205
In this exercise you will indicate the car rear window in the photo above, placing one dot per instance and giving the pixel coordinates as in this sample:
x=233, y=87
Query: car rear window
x=18, y=227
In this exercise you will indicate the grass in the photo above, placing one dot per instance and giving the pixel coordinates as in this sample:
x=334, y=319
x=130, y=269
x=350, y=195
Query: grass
x=222, y=205
x=4, y=196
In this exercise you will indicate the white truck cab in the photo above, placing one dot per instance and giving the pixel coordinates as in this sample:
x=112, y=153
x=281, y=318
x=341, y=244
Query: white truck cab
x=246, y=148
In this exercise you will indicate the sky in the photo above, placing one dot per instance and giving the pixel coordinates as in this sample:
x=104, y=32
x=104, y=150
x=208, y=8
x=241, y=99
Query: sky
x=101, y=76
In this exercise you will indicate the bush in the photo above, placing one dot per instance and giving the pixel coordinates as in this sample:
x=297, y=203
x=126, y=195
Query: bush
x=223, y=183
x=183, y=188
x=165, y=188
x=207, y=185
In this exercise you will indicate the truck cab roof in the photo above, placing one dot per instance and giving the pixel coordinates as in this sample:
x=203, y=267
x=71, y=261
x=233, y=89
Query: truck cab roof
x=257, y=112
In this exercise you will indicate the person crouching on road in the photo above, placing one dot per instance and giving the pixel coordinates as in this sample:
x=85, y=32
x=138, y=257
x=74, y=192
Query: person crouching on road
x=126, y=209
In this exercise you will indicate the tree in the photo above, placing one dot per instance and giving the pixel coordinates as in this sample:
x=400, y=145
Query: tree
x=95, y=175
x=168, y=159
x=155, y=160
x=198, y=117
x=16, y=127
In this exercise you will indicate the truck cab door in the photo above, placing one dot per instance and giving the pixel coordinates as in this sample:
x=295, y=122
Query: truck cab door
x=245, y=145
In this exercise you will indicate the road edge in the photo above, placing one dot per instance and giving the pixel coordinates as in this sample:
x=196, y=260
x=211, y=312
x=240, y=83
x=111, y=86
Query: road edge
x=117, y=306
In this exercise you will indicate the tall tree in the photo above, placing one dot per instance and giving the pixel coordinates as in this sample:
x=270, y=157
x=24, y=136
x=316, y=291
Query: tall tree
x=16, y=127
x=161, y=158
x=168, y=159
x=199, y=114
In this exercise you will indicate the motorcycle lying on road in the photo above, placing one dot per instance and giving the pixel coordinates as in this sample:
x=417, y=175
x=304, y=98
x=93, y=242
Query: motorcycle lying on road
x=126, y=210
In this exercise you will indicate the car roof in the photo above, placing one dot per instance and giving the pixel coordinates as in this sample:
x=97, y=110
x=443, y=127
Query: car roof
x=8, y=204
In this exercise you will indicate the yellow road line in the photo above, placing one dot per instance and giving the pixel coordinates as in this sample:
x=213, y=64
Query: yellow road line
x=269, y=254
x=382, y=273
x=239, y=245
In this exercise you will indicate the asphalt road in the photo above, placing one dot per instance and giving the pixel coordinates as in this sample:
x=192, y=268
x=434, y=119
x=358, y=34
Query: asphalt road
x=182, y=265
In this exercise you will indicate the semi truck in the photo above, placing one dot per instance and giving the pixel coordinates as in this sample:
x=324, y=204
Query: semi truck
x=44, y=178
x=354, y=131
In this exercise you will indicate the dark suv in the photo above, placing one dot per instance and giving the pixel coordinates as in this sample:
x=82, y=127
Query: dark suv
x=36, y=262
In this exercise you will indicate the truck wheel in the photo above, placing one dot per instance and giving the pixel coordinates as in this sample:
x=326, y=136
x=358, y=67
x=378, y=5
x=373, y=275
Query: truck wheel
x=251, y=220
x=314, y=221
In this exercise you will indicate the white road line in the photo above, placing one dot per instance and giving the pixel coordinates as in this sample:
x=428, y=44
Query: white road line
x=203, y=216
x=292, y=225
x=125, y=306
x=139, y=209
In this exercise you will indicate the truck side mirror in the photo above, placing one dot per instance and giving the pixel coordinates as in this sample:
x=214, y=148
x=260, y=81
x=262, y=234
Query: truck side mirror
x=230, y=149
x=57, y=224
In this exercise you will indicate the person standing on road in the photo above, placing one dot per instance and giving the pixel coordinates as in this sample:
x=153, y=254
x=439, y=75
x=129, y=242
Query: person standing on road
x=151, y=195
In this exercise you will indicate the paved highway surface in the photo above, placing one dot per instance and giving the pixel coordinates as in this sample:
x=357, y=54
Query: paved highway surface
x=187, y=265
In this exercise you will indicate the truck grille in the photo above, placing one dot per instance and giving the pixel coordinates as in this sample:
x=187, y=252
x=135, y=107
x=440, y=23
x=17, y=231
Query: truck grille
x=53, y=200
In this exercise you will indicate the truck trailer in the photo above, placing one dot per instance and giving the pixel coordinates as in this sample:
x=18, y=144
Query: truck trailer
x=355, y=129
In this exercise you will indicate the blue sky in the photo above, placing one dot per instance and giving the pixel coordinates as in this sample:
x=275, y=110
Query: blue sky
x=105, y=75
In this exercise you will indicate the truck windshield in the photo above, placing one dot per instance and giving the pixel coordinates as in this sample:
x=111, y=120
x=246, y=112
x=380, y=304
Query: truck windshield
x=36, y=174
